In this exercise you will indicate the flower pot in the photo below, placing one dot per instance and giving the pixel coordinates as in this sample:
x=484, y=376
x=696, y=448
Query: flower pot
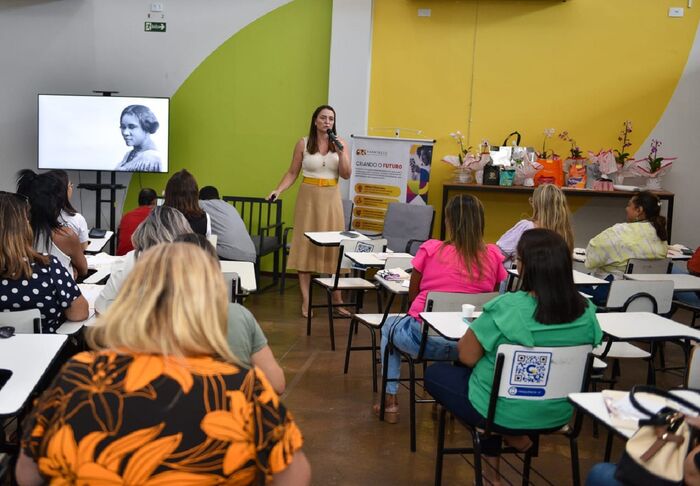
x=462, y=174
x=653, y=183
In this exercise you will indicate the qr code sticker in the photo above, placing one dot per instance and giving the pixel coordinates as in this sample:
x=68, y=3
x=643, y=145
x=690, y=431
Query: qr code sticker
x=364, y=247
x=530, y=368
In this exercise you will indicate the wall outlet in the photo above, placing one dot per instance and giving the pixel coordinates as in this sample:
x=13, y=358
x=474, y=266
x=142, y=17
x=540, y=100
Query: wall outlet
x=424, y=12
x=676, y=12
x=156, y=7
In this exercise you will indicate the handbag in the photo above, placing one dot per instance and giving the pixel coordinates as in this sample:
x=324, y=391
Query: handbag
x=655, y=454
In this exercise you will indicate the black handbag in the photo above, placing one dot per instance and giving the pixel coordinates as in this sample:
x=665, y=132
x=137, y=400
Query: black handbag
x=655, y=454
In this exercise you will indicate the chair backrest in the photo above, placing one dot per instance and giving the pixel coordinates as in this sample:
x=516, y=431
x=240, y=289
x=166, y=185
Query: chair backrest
x=354, y=245
x=25, y=321
x=540, y=373
x=263, y=220
x=641, y=296
x=692, y=376
x=404, y=263
x=405, y=222
x=643, y=265
x=452, y=301
x=347, y=212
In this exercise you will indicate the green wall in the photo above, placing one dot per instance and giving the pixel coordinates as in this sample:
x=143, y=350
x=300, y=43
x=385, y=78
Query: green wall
x=235, y=120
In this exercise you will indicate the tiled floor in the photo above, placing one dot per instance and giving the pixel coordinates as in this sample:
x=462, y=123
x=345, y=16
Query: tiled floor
x=347, y=445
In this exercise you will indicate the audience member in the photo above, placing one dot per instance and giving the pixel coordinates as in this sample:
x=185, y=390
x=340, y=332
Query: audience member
x=47, y=196
x=30, y=280
x=464, y=263
x=549, y=210
x=130, y=220
x=245, y=337
x=162, y=399
x=69, y=215
x=546, y=311
x=162, y=225
x=181, y=193
x=233, y=241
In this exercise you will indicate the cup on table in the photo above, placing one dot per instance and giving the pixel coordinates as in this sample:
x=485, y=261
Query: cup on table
x=467, y=312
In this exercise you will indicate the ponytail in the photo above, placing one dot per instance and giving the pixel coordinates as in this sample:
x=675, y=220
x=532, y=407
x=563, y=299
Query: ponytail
x=651, y=205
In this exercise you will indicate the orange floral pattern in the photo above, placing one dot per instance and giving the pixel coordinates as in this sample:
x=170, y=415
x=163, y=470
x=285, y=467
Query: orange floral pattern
x=126, y=419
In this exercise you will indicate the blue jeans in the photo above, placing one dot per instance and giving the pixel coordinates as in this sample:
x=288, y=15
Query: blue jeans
x=690, y=298
x=598, y=293
x=406, y=336
x=603, y=474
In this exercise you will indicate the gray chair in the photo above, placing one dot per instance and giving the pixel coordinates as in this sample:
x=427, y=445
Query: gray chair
x=643, y=265
x=407, y=225
x=25, y=321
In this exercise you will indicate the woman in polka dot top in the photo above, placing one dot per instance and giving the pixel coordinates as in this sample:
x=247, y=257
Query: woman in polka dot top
x=30, y=280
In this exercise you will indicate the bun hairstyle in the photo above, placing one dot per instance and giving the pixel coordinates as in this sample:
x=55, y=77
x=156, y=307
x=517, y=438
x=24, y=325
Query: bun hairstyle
x=47, y=195
x=147, y=119
x=651, y=205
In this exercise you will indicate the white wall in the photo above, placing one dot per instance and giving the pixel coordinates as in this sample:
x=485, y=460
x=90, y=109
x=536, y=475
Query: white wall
x=76, y=46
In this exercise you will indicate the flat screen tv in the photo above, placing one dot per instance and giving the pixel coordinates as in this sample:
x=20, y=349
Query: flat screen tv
x=109, y=133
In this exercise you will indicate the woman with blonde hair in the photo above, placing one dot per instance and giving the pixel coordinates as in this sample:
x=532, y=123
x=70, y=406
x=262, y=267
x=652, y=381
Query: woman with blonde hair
x=161, y=398
x=550, y=210
x=29, y=279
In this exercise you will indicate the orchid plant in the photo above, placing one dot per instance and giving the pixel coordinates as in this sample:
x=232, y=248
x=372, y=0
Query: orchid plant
x=575, y=150
x=548, y=133
x=459, y=159
x=622, y=155
x=653, y=165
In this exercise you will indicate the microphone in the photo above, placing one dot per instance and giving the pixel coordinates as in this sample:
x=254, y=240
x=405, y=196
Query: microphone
x=334, y=139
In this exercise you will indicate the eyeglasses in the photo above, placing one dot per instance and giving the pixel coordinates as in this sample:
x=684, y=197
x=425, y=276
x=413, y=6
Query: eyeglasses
x=7, y=332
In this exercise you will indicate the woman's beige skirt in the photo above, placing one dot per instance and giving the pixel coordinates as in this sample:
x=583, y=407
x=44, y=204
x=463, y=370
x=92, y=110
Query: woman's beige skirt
x=317, y=209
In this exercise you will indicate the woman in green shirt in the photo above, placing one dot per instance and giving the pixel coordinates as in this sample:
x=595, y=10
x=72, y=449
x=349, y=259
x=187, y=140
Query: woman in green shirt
x=546, y=311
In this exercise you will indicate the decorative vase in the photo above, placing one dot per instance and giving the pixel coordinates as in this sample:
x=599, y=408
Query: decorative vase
x=619, y=179
x=463, y=175
x=479, y=176
x=653, y=183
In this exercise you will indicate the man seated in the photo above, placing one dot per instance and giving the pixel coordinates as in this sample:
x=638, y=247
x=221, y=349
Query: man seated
x=130, y=220
x=233, y=241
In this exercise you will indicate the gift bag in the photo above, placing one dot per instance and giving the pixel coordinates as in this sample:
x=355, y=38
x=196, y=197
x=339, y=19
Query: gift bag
x=552, y=172
x=576, y=176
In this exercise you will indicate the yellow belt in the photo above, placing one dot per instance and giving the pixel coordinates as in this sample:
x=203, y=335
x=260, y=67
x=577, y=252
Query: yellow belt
x=320, y=182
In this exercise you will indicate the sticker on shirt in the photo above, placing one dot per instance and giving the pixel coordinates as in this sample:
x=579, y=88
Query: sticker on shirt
x=529, y=373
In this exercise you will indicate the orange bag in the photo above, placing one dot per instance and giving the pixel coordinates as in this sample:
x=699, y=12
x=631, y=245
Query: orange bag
x=552, y=172
x=577, y=174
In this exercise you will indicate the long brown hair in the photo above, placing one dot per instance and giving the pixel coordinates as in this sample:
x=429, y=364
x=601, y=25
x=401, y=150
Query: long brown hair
x=464, y=220
x=182, y=193
x=551, y=211
x=16, y=237
x=312, y=141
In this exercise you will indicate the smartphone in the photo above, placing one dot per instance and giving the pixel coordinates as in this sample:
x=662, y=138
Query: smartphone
x=4, y=376
x=97, y=233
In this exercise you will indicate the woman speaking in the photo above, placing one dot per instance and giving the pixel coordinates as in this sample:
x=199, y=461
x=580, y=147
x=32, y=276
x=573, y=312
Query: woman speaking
x=321, y=159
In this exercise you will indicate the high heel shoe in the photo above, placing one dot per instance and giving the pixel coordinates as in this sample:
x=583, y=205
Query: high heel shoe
x=391, y=409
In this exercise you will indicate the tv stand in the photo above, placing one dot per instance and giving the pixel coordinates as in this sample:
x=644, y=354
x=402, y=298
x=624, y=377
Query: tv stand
x=98, y=187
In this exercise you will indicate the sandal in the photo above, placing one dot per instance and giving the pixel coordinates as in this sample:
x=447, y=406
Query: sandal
x=341, y=312
x=391, y=409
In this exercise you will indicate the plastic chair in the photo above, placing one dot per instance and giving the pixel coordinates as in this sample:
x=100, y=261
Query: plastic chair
x=567, y=371
x=405, y=225
x=24, y=321
x=374, y=322
x=435, y=302
x=692, y=377
x=263, y=219
x=642, y=265
x=335, y=282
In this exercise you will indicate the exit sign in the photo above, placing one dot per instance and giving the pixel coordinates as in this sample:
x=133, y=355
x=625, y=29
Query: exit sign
x=154, y=27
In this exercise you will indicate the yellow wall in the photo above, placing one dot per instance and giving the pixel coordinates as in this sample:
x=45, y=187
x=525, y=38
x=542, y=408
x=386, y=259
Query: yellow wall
x=581, y=65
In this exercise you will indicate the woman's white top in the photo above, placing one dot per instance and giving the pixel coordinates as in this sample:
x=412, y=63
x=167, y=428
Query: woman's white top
x=119, y=273
x=320, y=166
x=77, y=223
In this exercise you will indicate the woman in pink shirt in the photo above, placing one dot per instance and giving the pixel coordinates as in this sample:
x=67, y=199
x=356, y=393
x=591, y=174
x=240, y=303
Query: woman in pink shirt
x=463, y=263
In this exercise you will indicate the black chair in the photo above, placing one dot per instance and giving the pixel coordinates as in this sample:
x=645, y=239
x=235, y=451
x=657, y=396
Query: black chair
x=263, y=219
x=568, y=372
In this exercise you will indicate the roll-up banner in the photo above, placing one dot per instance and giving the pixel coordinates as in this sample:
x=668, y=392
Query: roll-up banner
x=386, y=170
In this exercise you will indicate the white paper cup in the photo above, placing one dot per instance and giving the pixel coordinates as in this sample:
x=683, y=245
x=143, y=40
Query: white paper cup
x=467, y=311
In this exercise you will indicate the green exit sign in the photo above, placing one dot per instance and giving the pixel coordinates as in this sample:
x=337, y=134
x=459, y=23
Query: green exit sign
x=154, y=27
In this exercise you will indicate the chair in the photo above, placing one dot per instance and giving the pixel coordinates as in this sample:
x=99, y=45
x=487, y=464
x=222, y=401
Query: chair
x=642, y=265
x=407, y=224
x=692, y=377
x=263, y=219
x=634, y=296
x=567, y=371
x=286, y=245
x=435, y=302
x=25, y=321
x=347, y=212
x=239, y=278
x=336, y=282
x=374, y=322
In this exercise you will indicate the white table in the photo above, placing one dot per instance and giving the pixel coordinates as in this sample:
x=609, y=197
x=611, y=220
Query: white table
x=90, y=292
x=103, y=263
x=96, y=244
x=245, y=271
x=369, y=259
x=449, y=325
x=681, y=282
x=28, y=356
x=580, y=255
x=393, y=286
x=331, y=238
x=644, y=326
x=580, y=278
